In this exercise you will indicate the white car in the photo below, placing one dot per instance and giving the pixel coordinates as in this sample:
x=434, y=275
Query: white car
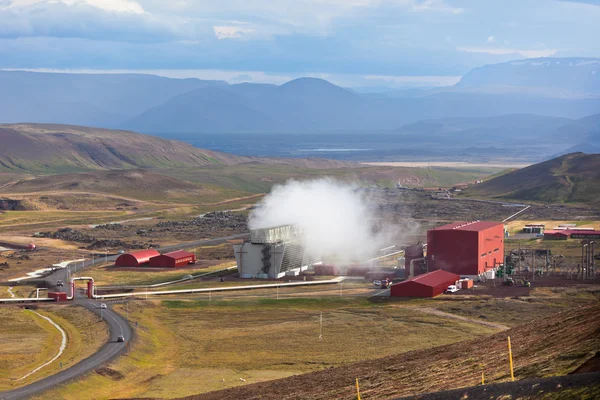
x=376, y=283
x=102, y=305
x=452, y=289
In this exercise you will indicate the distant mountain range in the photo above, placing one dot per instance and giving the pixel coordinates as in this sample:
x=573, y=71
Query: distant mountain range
x=556, y=77
x=48, y=148
x=564, y=88
x=572, y=178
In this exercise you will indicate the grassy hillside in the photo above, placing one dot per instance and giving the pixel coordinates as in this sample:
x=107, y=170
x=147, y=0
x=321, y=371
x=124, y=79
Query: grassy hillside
x=572, y=178
x=48, y=148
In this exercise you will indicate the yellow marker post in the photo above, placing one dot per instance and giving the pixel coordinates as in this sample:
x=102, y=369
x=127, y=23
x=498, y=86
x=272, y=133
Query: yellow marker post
x=357, y=390
x=512, y=375
x=482, y=378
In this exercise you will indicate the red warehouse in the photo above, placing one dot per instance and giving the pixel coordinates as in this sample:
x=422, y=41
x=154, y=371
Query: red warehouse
x=430, y=284
x=325, y=269
x=174, y=259
x=466, y=248
x=136, y=259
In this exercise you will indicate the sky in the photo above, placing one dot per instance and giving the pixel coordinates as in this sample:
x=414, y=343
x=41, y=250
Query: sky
x=391, y=43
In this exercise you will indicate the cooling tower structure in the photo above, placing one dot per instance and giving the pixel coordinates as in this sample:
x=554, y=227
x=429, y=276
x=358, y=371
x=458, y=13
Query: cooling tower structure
x=272, y=253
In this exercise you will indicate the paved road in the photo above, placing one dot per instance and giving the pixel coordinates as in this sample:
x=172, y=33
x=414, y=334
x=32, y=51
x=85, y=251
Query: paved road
x=118, y=326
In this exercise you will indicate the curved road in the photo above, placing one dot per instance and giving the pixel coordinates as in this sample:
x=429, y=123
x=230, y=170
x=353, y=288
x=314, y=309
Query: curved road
x=117, y=325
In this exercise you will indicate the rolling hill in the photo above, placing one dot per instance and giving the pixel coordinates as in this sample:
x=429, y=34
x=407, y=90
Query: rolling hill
x=47, y=148
x=572, y=178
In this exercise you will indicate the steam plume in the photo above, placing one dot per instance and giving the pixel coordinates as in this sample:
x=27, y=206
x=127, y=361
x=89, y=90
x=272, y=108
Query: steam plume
x=337, y=221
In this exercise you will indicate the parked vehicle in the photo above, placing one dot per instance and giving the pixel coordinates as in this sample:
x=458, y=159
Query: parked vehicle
x=452, y=289
x=60, y=283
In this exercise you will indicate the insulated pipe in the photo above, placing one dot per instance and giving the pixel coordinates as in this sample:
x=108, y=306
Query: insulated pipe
x=90, y=281
x=412, y=266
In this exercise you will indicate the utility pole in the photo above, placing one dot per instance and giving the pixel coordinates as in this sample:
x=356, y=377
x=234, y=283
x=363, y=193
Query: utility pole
x=532, y=265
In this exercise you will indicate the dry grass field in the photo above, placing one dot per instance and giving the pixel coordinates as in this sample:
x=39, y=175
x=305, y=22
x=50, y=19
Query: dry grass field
x=186, y=347
x=27, y=341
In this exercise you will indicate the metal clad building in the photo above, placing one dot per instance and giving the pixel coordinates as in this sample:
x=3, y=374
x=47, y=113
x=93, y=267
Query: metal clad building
x=430, y=284
x=466, y=248
x=136, y=259
x=272, y=253
x=173, y=259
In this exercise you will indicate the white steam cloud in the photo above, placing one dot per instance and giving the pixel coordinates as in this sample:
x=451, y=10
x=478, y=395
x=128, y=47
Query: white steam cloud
x=337, y=222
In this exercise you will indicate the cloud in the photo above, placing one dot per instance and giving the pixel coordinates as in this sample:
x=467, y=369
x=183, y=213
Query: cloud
x=231, y=31
x=499, y=51
x=118, y=6
x=491, y=39
x=118, y=20
x=437, y=6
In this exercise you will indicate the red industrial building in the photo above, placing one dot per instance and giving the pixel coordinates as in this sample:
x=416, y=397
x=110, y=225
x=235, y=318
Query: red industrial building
x=136, y=259
x=430, y=284
x=563, y=234
x=466, y=248
x=325, y=269
x=173, y=259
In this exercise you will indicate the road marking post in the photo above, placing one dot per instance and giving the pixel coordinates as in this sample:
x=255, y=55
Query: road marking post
x=357, y=390
x=512, y=375
x=482, y=378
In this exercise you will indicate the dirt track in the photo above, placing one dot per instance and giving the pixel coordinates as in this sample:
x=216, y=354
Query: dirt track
x=552, y=346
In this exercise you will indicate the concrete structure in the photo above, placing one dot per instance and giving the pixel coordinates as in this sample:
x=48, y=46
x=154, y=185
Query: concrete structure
x=136, y=259
x=415, y=254
x=430, y=284
x=272, y=253
x=466, y=248
x=534, y=228
x=173, y=259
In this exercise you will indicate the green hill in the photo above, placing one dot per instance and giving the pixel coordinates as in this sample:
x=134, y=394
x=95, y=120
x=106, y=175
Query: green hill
x=572, y=178
x=51, y=149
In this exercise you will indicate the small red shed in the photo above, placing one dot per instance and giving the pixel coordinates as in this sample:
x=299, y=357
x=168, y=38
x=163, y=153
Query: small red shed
x=173, y=259
x=136, y=259
x=427, y=285
x=58, y=296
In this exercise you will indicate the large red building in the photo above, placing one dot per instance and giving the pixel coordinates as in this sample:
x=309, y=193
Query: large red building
x=430, y=284
x=136, y=259
x=173, y=259
x=466, y=248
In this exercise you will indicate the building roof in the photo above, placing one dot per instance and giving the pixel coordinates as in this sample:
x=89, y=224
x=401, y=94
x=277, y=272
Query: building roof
x=178, y=254
x=471, y=226
x=558, y=232
x=143, y=256
x=569, y=232
x=434, y=278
